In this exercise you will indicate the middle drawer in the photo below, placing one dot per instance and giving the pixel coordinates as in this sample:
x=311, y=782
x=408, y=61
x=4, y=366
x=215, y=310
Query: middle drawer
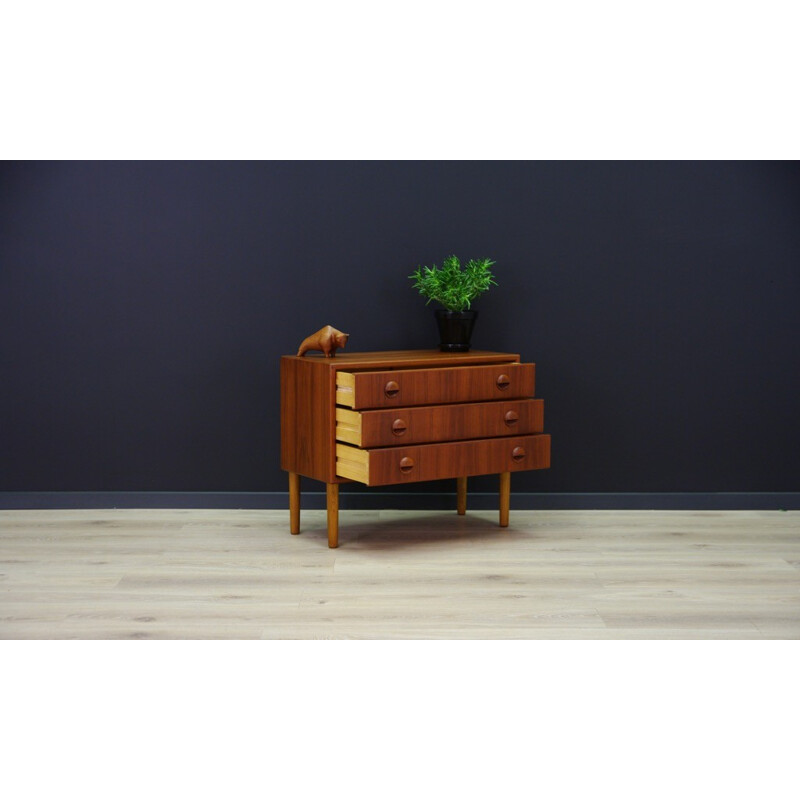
x=446, y=423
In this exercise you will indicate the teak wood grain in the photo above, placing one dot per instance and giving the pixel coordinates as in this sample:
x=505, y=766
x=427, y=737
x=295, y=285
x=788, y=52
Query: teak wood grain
x=405, y=359
x=307, y=419
x=440, y=423
x=430, y=462
x=308, y=390
x=456, y=414
x=414, y=387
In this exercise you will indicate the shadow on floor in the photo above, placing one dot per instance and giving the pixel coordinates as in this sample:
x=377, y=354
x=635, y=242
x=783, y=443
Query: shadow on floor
x=418, y=529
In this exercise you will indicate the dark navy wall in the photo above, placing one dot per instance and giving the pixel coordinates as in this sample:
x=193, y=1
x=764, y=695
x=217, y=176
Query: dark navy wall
x=143, y=308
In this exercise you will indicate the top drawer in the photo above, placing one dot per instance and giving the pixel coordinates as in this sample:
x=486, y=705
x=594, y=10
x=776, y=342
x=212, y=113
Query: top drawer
x=417, y=387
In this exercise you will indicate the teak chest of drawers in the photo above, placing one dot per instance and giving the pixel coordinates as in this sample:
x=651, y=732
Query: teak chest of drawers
x=405, y=416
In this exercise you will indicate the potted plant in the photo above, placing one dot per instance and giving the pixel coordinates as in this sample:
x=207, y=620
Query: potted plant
x=455, y=287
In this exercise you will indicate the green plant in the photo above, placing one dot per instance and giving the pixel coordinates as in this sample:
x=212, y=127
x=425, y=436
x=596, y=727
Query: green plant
x=452, y=285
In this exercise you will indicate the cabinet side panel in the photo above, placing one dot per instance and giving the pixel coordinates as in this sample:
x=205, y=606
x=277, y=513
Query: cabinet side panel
x=288, y=417
x=307, y=419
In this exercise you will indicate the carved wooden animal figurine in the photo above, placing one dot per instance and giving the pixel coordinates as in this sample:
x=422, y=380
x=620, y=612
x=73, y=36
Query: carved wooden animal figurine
x=327, y=339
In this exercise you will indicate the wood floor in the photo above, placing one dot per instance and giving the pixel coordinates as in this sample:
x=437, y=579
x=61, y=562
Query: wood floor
x=189, y=574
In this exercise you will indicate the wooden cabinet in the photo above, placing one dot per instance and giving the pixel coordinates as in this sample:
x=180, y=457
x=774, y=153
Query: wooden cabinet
x=406, y=416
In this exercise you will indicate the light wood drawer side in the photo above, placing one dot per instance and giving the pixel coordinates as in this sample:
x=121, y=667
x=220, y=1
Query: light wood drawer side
x=352, y=463
x=345, y=388
x=348, y=426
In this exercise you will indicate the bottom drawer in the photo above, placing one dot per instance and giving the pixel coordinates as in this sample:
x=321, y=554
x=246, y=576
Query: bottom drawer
x=430, y=462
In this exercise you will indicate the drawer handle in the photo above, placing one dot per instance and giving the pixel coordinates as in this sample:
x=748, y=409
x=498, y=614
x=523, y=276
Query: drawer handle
x=511, y=418
x=503, y=381
x=406, y=464
x=518, y=453
x=399, y=427
x=391, y=389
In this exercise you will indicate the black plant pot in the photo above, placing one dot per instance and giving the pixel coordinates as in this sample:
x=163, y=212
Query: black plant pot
x=455, y=329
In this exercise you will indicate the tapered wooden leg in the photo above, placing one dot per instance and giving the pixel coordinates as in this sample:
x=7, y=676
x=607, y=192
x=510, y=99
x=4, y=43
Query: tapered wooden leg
x=505, y=498
x=294, y=502
x=461, y=495
x=333, y=514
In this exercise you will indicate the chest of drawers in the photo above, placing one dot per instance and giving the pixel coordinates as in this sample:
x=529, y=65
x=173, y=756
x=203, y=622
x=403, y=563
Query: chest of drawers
x=406, y=416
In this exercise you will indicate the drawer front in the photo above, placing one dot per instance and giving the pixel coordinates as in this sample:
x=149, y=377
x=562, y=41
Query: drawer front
x=431, y=462
x=402, y=426
x=416, y=387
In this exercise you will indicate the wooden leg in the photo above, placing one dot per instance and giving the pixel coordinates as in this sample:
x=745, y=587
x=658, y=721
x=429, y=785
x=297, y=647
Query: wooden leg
x=461, y=495
x=333, y=514
x=294, y=502
x=505, y=497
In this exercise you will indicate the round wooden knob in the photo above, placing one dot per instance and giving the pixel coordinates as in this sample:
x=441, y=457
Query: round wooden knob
x=511, y=418
x=406, y=464
x=391, y=389
x=503, y=381
x=518, y=453
x=399, y=427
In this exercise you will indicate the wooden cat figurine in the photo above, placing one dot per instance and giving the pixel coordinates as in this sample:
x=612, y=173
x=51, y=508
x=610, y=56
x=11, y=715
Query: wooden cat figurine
x=327, y=339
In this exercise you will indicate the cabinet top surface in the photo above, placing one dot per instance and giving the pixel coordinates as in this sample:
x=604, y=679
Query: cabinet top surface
x=406, y=358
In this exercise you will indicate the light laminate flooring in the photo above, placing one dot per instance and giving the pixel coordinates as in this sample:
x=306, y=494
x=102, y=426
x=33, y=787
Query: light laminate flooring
x=199, y=574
